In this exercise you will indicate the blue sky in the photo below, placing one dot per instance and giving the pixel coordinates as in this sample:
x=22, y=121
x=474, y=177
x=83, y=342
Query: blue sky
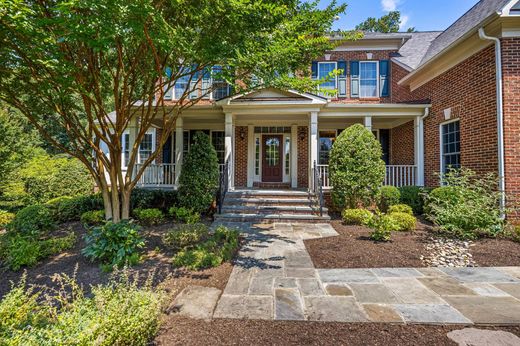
x=424, y=15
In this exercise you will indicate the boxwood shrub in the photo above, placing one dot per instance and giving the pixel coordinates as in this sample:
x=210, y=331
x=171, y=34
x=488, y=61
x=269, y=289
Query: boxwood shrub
x=404, y=221
x=400, y=208
x=360, y=217
x=33, y=220
x=414, y=197
x=92, y=218
x=388, y=196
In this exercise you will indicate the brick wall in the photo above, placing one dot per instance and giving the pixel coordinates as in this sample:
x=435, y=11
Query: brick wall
x=303, y=157
x=469, y=89
x=241, y=156
x=158, y=137
x=511, y=79
x=402, y=144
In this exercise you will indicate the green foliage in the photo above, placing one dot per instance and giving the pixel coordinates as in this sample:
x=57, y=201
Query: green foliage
x=184, y=215
x=357, y=216
x=400, y=208
x=404, y=221
x=66, y=208
x=32, y=220
x=382, y=226
x=414, y=197
x=119, y=313
x=94, y=217
x=150, y=198
x=388, y=196
x=356, y=168
x=18, y=250
x=5, y=218
x=467, y=207
x=199, y=176
x=390, y=22
x=114, y=244
x=186, y=236
x=149, y=216
x=218, y=248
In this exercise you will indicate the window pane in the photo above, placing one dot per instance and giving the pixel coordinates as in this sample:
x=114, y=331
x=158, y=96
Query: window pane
x=450, y=146
x=323, y=71
x=368, y=79
x=218, y=141
x=126, y=148
x=146, y=147
x=327, y=139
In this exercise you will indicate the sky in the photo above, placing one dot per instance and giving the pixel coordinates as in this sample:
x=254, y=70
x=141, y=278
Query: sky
x=424, y=15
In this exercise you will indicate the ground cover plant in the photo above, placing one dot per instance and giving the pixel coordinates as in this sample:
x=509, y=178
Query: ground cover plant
x=149, y=216
x=185, y=215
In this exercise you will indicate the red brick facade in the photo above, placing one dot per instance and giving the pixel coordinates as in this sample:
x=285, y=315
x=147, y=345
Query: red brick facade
x=511, y=79
x=402, y=144
x=241, y=156
x=303, y=156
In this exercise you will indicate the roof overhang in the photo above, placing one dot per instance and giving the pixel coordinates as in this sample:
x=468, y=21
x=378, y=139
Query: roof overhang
x=391, y=110
x=269, y=97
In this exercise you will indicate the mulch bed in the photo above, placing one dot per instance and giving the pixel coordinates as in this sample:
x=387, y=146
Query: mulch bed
x=353, y=248
x=183, y=331
x=156, y=262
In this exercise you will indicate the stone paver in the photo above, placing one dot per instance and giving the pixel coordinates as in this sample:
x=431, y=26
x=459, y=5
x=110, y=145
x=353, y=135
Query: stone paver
x=196, y=302
x=483, y=337
x=274, y=278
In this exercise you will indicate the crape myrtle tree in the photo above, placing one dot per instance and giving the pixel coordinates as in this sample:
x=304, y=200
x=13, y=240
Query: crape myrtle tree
x=95, y=68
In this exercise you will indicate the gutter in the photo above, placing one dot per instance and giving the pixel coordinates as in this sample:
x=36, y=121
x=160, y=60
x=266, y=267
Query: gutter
x=500, y=117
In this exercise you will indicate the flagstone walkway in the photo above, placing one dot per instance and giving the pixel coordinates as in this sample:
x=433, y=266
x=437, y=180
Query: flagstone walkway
x=274, y=278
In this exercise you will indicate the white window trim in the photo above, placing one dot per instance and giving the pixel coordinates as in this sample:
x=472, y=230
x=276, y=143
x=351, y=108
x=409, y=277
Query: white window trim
x=378, y=92
x=335, y=78
x=153, y=132
x=441, y=144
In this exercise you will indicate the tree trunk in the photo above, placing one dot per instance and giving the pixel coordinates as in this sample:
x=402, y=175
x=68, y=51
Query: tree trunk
x=125, y=203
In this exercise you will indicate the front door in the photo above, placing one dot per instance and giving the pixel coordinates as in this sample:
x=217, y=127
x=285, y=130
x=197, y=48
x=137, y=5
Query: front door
x=272, y=164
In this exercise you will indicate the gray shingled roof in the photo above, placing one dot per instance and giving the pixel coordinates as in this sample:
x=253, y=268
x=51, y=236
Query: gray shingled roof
x=413, y=51
x=468, y=22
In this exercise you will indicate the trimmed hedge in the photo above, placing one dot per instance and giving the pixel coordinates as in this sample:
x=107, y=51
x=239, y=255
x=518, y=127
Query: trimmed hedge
x=33, y=220
x=361, y=217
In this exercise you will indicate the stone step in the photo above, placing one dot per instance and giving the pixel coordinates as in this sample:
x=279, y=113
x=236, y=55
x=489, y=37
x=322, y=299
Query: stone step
x=274, y=209
x=268, y=201
x=270, y=218
x=269, y=194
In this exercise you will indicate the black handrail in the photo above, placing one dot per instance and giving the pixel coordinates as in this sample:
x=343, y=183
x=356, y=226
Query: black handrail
x=318, y=187
x=223, y=186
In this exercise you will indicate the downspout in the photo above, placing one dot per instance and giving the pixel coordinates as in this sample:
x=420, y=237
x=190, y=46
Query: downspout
x=500, y=117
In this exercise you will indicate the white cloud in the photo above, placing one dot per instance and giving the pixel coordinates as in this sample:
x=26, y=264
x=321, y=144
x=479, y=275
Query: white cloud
x=389, y=5
x=404, y=21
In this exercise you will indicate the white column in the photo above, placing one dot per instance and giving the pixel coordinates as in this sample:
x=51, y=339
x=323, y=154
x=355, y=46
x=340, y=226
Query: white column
x=179, y=142
x=313, y=143
x=250, y=155
x=294, y=156
x=368, y=122
x=419, y=149
x=229, y=149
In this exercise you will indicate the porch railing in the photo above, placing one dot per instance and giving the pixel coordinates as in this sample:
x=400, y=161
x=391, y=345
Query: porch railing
x=396, y=175
x=223, y=185
x=317, y=185
x=157, y=175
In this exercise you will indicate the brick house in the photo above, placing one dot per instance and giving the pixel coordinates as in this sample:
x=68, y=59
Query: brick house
x=431, y=98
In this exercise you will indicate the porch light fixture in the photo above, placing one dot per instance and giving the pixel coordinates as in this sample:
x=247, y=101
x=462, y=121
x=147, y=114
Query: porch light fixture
x=242, y=133
x=301, y=133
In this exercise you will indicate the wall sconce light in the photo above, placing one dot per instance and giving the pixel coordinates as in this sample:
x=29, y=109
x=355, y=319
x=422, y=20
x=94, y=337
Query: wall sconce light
x=242, y=133
x=327, y=56
x=301, y=133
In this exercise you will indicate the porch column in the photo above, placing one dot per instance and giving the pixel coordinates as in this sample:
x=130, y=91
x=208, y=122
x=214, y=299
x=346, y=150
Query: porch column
x=313, y=144
x=294, y=156
x=179, y=142
x=229, y=133
x=368, y=122
x=419, y=149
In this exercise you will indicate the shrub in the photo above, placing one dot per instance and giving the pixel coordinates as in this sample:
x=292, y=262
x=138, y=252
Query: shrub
x=149, y=216
x=357, y=216
x=400, y=208
x=5, y=218
x=186, y=236
x=468, y=206
x=356, y=168
x=150, y=198
x=119, y=313
x=66, y=208
x=388, y=196
x=114, y=244
x=91, y=218
x=32, y=220
x=404, y=221
x=17, y=250
x=414, y=197
x=218, y=248
x=184, y=215
x=382, y=226
x=199, y=176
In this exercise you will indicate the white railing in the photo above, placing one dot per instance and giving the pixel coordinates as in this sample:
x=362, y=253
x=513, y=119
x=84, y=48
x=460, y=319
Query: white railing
x=157, y=175
x=221, y=167
x=396, y=175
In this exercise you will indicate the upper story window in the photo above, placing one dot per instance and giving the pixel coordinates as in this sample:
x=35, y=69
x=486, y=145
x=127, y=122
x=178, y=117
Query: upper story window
x=450, y=146
x=324, y=70
x=369, y=79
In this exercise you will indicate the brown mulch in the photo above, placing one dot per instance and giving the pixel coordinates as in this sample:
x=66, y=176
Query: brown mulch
x=184, y=331
x=156, y=262
x=353, y=248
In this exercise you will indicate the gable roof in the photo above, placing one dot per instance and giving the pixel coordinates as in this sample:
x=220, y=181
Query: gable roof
x=470, y=21
x=413, y=51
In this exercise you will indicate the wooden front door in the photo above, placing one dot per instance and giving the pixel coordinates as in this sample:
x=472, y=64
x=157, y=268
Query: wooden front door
x=272, y=164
